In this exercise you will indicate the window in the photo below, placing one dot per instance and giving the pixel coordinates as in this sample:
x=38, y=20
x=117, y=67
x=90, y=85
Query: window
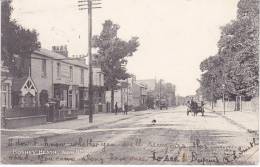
x=71, y=73
x=70, y=99
x=4, y=87
x=58, y=70
x=44, y=72
x=5, y=95
x=99, y=77
x=82, y=76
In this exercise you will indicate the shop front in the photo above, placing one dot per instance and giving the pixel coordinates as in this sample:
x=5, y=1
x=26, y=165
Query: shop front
x=65, y=103
x=83, y=99
x=61, y=92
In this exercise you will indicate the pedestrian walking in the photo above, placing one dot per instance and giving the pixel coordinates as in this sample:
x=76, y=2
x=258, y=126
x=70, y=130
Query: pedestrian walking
x=202, y=105
x=126, y=109
x=116, y=108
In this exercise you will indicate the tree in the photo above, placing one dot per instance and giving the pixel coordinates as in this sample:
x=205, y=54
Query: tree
x=212, y=77
x=113, y=53
x=238, y=46
x=236, y=64
x=16, y=40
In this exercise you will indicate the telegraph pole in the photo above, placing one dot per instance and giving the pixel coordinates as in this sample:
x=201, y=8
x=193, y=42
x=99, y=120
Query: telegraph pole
x=90, y=85
x=160, y=92
x=224, y=105
x=127, y=92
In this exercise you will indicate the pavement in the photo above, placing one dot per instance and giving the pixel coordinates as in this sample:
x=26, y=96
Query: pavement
x=134, y=139
x=247, y=119
x=63, y=127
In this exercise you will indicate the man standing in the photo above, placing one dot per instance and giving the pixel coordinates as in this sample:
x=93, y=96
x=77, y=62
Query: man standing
x=116, y=108
x=126, y=109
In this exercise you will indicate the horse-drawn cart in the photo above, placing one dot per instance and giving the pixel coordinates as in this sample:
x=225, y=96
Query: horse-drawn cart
x=195, y=109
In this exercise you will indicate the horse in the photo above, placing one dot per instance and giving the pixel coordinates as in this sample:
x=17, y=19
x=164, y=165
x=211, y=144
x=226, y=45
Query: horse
x=195, y=109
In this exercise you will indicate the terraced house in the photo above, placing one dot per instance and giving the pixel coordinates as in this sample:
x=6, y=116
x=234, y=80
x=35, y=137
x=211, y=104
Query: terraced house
x=60, y=83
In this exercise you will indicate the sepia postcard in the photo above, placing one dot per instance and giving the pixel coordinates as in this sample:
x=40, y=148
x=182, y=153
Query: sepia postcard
x=130, y=82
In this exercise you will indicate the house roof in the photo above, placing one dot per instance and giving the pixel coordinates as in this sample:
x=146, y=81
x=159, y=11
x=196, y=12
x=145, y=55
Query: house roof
x=24, y=84
x=54, y=55
x=150, y=83
x=139, y=84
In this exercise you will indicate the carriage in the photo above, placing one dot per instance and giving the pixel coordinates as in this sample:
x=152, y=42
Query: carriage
x=195, y=109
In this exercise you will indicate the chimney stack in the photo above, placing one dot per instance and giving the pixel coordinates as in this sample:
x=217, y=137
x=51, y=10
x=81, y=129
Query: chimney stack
x=61, y=50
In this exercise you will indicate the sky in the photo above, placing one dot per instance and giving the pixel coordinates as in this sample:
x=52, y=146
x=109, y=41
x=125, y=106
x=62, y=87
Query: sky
x=174, y=35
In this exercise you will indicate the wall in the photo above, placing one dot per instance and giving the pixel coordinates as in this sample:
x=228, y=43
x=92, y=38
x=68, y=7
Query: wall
x=47, y=82
x=252, y=105
x=24, y=121
x=117, y=97
x=65, y=71
x=36, y=74
x=136, y=95
x=96, y=80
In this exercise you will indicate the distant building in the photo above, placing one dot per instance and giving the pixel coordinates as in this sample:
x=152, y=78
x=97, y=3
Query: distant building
x=157, y=90
x=123, y=95
x=150, y=83
x=180, y=100
x=170, y=94
x=139, y=94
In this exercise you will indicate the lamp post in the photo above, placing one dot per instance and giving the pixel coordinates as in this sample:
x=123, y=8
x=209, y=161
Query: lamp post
x=224, y=107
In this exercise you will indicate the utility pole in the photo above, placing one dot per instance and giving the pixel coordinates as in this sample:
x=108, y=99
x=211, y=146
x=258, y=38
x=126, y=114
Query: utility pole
x=90, y=91
x=127, y=92
x=160, y=93
x=212, y=97
x=224, y=105
x=89, y=5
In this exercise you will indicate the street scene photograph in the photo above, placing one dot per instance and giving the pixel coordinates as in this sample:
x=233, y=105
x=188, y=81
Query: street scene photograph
x=129, y=82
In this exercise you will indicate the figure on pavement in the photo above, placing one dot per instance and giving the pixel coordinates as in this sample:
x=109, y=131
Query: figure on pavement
x=126, y=109
x=202, y=105
x=116, y=108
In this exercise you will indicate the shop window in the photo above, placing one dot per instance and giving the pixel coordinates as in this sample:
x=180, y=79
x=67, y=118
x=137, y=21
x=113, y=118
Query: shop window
x=82, y=76
x=85, y=95
x=70, y=99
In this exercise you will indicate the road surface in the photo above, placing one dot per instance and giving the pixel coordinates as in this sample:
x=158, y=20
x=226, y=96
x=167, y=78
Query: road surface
x=175, y=138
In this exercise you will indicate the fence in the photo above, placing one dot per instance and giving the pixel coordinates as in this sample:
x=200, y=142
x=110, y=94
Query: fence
x=252, y=105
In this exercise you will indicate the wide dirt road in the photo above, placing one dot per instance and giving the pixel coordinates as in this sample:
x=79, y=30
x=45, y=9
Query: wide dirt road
x=175, y=138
